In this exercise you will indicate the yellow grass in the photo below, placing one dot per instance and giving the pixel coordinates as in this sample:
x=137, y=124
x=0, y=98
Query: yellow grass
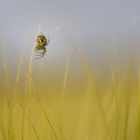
x=33, y=111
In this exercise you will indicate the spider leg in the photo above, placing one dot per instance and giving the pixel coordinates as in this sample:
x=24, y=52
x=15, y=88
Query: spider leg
x=38, y=57
x=40, y=52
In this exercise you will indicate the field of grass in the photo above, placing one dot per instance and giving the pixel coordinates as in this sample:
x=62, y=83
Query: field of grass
x=37, y=106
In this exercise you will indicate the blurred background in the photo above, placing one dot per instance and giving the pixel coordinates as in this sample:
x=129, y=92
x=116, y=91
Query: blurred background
x=89, y=22
x=105, y=31
x=89, y=76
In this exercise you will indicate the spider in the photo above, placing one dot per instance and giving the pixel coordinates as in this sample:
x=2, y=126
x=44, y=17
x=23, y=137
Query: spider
x=40, y=48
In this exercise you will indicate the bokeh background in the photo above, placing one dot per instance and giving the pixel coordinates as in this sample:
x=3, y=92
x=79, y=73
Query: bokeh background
x=105, y=31
x=99, y=28
x=88, y=21
x=87, y=86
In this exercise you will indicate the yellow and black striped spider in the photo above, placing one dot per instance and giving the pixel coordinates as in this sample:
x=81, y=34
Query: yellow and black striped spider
x=40, y=48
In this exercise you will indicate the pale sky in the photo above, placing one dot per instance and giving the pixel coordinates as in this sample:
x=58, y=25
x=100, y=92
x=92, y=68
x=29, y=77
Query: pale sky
x=87, y=21
x=89, y=17
x=92, y=23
